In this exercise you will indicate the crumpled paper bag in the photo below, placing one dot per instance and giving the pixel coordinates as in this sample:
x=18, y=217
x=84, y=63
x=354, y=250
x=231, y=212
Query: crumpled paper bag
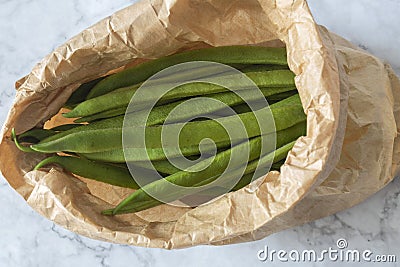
x=350, y=151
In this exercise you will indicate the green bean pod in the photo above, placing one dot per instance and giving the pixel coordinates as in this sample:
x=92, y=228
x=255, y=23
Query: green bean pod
x=216, y=165
x=285, y=142
x=166, y=167
x=110, y=123
x=35, y=135
x=186, y=74
x=122, y=97
x=102, y=115
x=159, y=114
x=249, y=174
x=225, y=55
x=154, y=154
x=140, y=200
x=286, y=113
x=101, y=172
x=162, y=166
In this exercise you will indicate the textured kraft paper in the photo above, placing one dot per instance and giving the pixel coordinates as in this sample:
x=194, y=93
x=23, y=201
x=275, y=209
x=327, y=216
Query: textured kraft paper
x=350, y=150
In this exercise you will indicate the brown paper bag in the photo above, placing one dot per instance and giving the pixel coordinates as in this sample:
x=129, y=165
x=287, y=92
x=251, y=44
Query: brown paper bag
x=350, y=150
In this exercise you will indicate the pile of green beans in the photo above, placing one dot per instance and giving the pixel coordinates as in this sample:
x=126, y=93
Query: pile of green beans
x=93, y=147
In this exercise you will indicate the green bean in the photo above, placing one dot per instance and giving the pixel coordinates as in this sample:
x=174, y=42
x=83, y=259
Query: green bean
x=216, y=165
x=284, y=143
x=249, y=173
x=164, y=166
x=101, y=172
x=122, y=97
x=102, y=115
x=199, y=71
x=36, y=135
x=191, y=72
x=247, y=177
x=190, y=135
x=155, y=154
x=143, y=205
x=140, y=200
x=225, y=55
x=286, y=113
x=159, y=113
x=110, y=123
x=81, y=93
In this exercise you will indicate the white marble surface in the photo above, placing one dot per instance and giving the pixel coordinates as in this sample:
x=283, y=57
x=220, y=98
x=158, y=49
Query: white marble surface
x=30, y=29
